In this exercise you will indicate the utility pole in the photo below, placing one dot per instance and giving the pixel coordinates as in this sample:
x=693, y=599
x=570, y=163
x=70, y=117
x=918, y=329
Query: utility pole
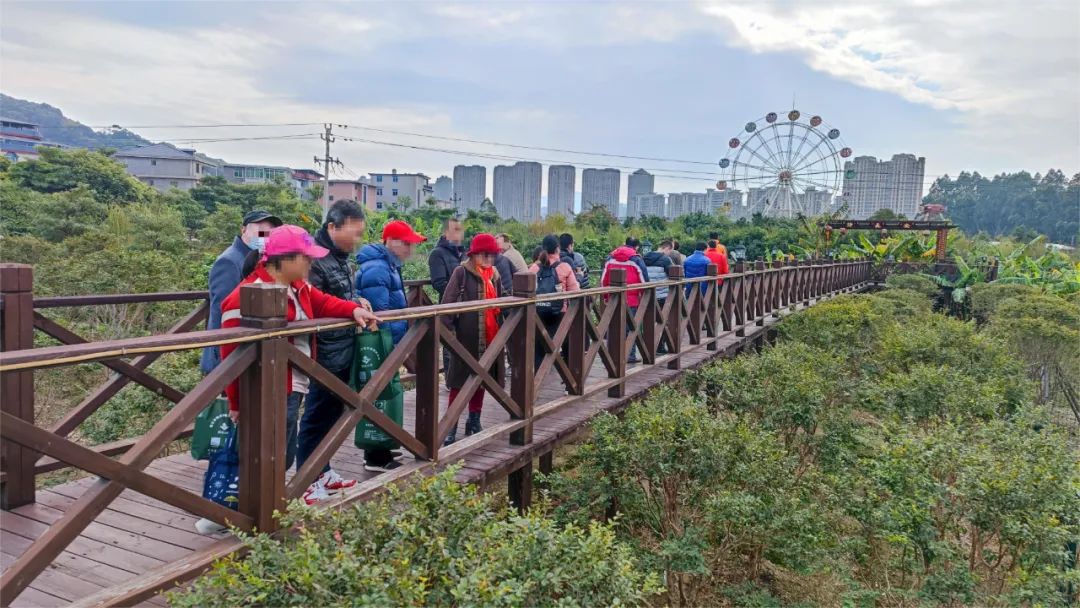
x=328, y=137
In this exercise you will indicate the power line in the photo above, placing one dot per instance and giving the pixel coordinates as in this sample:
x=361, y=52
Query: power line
x=524, y=147
x=515, y=158
x=207, y=126
x=263, y=138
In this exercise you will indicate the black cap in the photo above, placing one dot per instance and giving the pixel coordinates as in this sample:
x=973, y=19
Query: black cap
x=260, y=215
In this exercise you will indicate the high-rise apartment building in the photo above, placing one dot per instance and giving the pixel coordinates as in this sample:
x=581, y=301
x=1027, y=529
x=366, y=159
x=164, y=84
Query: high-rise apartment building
x=444, y=188
x=638, y=182
x=560, y=199
x=469, y=187
x=815, y=202
x=644, y=205
x=600, y=187
x=719, y=201
x=896, y=184
x=517, y=191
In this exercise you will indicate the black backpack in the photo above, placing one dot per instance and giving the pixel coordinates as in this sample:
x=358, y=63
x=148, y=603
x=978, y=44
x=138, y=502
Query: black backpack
x=547, y=281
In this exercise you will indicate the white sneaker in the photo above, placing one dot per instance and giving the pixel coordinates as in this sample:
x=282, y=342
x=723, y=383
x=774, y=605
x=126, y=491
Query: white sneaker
x=316, y=492
x=334, y=483
x=206, y=526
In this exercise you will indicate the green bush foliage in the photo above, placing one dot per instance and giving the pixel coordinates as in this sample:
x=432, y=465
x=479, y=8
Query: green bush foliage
x=915, y=282
x=878, y=455
x=985, y=297
x=436, y=543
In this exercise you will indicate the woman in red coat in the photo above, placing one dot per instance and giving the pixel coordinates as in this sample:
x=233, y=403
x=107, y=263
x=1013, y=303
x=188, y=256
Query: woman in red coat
x=286, y=261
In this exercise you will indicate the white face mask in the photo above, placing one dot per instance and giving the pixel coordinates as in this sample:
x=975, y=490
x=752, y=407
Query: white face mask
x=258, y=243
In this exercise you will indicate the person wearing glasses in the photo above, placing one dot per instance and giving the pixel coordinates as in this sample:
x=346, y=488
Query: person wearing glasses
x=227, y=272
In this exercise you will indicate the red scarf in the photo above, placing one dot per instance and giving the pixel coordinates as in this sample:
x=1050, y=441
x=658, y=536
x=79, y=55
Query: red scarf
x=491, y=315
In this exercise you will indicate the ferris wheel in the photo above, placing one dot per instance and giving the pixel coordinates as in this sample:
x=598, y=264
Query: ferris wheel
x=786, y=167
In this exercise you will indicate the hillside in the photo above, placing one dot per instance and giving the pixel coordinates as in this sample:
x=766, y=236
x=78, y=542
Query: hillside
x=56, y=127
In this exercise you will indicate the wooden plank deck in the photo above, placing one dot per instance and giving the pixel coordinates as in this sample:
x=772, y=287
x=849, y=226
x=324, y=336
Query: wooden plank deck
x=139, y=539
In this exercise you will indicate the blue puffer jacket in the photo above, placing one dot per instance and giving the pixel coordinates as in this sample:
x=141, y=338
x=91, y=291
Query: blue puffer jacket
x=696, y=265
x=379, y=281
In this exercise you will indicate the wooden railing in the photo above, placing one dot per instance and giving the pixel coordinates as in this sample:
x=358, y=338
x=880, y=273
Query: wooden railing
x=598, y=323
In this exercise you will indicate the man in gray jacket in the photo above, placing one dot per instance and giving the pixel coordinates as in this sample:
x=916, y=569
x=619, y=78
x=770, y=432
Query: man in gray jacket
x=226, y=273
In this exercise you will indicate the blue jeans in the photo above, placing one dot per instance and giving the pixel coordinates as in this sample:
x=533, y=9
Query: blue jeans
x=322, y=410
x=292, y=412
x=629, y=330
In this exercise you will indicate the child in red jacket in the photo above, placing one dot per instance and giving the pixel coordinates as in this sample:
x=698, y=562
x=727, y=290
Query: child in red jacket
x=286, y=261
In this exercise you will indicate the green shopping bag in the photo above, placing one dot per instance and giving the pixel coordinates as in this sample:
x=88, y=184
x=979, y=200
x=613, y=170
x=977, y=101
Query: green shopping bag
x=371, y=349
x=212, y=428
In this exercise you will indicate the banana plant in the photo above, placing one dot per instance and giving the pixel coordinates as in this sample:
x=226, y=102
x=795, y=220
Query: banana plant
x=966, y=277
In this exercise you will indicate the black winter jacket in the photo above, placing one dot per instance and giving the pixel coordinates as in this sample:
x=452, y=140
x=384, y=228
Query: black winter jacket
x=506, y=273
x=441, y=263
x=333, y=275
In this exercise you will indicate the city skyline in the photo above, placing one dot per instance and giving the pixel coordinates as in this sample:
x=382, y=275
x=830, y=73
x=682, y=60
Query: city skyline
x=878, y=77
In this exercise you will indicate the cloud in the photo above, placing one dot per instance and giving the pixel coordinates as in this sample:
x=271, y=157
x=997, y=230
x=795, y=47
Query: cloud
x=951, y=55
x=967, y=83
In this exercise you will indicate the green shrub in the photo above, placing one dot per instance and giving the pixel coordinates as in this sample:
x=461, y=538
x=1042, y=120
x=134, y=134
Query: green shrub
x=915, y=282
x=985, y=297
x=436, y=543
x=707, y=499
x=846, y=326
x=964, y=509
x=906, y=303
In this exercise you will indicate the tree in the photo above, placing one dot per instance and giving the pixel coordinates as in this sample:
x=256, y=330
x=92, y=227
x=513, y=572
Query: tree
x=431, y=201
x=886, y=214
x=61, y=170
x=403, y=203
x=598, y=217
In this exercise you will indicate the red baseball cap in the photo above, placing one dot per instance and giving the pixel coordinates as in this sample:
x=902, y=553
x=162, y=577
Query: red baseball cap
x=288, y=239
x=401, y=231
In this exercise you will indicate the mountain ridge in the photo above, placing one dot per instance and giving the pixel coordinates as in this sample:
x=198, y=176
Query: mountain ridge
x=57, y=128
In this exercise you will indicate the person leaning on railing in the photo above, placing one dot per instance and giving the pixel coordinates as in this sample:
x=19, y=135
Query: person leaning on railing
x=380, y=282
x=227, y=272
x=340, y=234
x=476, y=279
x=627, y=258
x=286, y=261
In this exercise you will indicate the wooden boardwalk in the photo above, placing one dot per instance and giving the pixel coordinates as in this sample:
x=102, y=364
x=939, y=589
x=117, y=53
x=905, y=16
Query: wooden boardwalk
x=140, y=537
x=126, y=531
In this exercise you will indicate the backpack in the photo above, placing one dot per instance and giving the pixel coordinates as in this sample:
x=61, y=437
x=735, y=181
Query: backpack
x=547, y=281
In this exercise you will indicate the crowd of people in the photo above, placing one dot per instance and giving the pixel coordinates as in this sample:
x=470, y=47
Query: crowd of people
x=322, y=281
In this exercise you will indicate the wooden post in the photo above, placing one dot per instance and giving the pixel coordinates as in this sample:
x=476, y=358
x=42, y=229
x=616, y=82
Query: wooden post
x=762, y=295
x=427, y=388
x=519, y=486
x=17, y=388
x=616, y=336
x=522, y=360
x=740, y=300
x=263, y=395
x=648, y=326
x=697, y=309
x=547, y=462
x=578, y=343
x=674, y=320
x=779, y=284
x=712, y=307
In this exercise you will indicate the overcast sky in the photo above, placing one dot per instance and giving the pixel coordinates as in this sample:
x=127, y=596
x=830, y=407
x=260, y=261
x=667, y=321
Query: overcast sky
x=986, y=85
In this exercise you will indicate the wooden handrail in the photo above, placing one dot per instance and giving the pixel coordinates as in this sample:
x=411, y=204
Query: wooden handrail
x=728, y=303
x=52, y=356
